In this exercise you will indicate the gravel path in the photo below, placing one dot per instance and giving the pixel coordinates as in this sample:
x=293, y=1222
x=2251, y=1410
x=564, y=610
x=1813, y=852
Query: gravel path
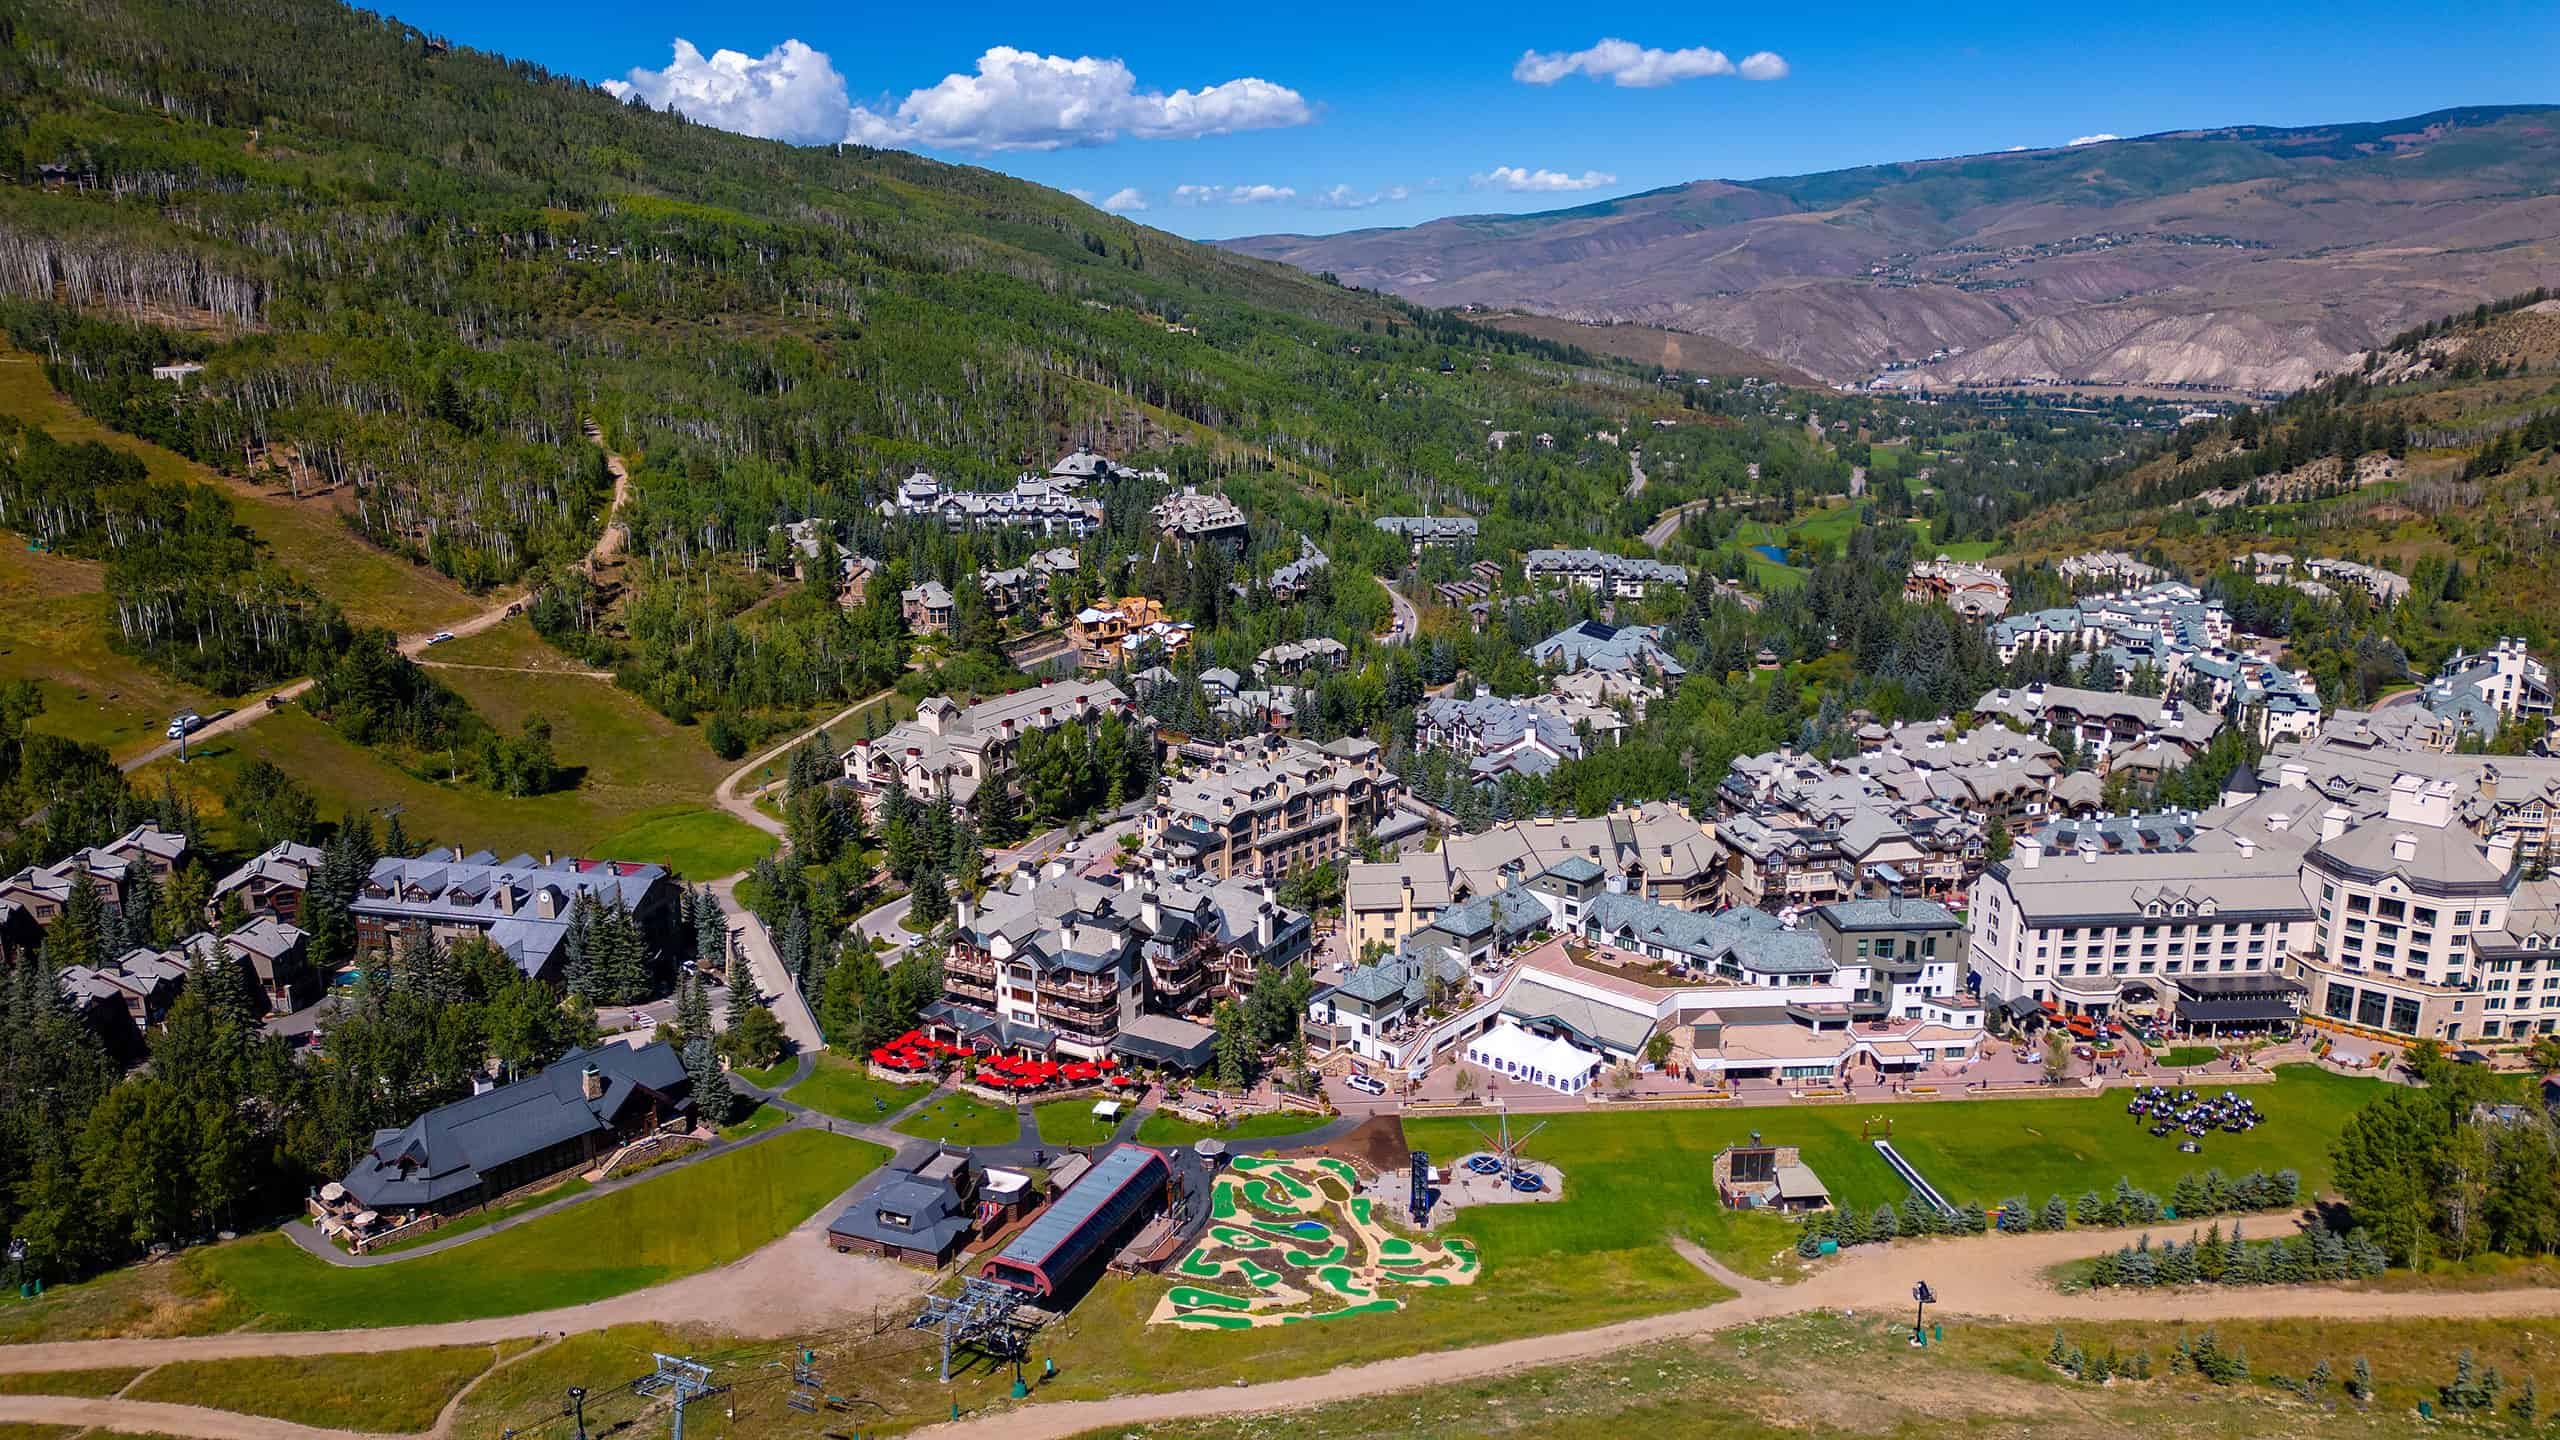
x=1993, y=1277
x=776, y=1291
x=255, y=708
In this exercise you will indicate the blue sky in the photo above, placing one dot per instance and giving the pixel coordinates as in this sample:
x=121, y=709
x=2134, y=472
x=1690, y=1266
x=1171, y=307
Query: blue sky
x=1214, y=121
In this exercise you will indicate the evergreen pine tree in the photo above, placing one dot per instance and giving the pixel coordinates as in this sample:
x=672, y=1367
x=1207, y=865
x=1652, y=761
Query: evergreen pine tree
x=577, y=958
x=713, y=1100
x=710, y=929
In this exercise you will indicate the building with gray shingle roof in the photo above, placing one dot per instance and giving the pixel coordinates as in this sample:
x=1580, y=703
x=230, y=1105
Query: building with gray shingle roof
x=522, y=905
x=460, y=1156
x=1594, y=645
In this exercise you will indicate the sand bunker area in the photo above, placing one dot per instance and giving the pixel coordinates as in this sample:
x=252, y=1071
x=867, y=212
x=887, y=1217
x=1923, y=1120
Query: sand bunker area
x=1291, y=1241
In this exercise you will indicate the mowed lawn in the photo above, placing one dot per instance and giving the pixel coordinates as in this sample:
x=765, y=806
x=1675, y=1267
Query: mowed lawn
x=1072, y=1122
x=960, y=1120
x=1632, y=1177
x=644, y=782
x=836, y=1087
x=678, y=1223
x=1166, y=1128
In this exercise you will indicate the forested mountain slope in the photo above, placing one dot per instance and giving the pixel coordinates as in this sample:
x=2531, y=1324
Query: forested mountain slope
x=389, y=248
x=2439, y=459
x=2248, y=256
x=414, y=272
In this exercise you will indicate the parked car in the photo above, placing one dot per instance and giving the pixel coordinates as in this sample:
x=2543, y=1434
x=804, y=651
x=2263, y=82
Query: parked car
x=184, y=723
x=1366, y=1084
x=439, y=637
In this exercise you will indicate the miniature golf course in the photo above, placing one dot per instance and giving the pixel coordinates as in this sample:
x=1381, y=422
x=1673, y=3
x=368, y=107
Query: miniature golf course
x=1289, y=1241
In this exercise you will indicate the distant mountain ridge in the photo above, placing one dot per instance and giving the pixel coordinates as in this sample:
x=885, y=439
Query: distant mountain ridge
x=2252, y=257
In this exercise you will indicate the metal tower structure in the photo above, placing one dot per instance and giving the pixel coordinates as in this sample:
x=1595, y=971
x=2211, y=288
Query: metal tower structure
x=682, y=1379
x=981, y=1317
x=1506, y=1149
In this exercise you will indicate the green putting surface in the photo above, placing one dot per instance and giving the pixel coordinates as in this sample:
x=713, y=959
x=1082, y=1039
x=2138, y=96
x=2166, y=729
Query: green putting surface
x=1190, y=1298
x=1212, y=1322
x=1371, y=1308
x=1236, y=1239
x=1337, y=1278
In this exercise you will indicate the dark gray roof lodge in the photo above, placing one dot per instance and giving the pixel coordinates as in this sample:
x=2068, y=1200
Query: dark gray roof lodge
x=446, y=1151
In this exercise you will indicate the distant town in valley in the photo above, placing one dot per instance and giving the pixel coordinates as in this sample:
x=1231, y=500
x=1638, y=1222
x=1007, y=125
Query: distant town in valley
x=660, y=779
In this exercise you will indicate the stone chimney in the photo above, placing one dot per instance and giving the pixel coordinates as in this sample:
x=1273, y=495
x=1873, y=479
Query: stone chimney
x=2028, y=852
x=2502, y=851
x=2404, y=846
x=1264, y=926
x=1128, y=880
x=2333, y=822
x=2293, y=775
x=1151, y=912
x=591, y=1083
x=2248, y=846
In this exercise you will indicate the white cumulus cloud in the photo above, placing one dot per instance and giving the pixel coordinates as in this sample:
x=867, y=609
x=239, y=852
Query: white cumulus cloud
x=791, y=92
x=1017, y=100
x=1125, y=199
x=1522, y=180
x=1641, y=67
x=1343, y=197
x=1232, y=194
x=2098, y=139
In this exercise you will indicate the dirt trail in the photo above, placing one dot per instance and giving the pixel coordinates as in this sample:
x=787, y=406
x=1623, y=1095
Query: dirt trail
x=609, y=543
x=776, y=1291
x=157, y=1417
x=1995, y=1277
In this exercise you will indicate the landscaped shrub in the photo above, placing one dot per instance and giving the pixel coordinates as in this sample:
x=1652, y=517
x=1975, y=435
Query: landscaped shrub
x=2219, y=1259
x=2198, y=1194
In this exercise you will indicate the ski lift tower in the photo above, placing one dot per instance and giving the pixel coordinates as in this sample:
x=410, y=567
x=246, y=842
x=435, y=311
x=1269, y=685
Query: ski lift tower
x=981, y=1316
x=682, y=1379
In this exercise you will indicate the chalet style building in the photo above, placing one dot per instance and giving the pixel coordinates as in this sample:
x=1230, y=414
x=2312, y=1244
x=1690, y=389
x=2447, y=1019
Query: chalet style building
x=474, y=1152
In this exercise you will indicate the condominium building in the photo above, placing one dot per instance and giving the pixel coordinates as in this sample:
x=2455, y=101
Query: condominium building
x=1974, y=592
x=1424, y=531
x=1623, y=577
x=2478, y=694
x=40, y=891
x=955, y=748
x=1192, y=518
x=2104, y=719
x=1656, y=851
x=1049, y=961
x=1046, y=506
x=1611, y=649
x=1522, y=735
x=1267, y=805
x=522, y=905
